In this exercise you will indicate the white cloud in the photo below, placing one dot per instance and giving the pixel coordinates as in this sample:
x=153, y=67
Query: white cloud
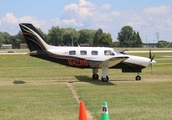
x=115, y=13
x=84, y=3
x=147, y=21
x=169, y=22
x=71, y=22
x=82, y=10
x=78, y=13
x=106, y=6
x=71, y=7
x=85, y=12
x=9, y=18
x=157, y=10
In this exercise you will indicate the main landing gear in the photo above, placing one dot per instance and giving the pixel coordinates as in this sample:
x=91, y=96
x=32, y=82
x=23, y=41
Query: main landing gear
x=104, y=78
x=96, y=77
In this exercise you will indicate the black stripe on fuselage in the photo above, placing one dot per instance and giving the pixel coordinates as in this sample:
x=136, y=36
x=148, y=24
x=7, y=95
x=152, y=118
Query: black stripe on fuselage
x=127, y=65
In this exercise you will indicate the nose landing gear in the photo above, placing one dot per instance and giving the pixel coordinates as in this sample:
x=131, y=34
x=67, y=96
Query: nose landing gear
x=138, y=77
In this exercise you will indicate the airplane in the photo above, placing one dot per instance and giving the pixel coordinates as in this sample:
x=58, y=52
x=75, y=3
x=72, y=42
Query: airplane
x=84, y=57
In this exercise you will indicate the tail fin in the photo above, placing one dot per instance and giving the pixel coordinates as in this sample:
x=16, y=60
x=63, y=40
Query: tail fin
x=33, y=38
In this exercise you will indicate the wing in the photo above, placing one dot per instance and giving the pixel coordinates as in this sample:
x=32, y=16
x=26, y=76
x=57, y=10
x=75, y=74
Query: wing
x=109, y=62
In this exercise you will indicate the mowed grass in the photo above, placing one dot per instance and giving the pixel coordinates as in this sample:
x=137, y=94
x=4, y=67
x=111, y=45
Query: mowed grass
x=34, y=89
x=129, y=101
x=39, y=101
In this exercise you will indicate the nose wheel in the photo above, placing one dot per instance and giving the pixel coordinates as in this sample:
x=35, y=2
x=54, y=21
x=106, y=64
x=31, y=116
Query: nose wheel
x=138, y=77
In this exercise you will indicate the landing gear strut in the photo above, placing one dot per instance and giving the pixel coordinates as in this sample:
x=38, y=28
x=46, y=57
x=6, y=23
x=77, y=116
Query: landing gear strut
x=95, y=76
x=105, y=78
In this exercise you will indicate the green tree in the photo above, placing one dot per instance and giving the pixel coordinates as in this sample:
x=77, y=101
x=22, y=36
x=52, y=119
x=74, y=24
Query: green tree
x=1, y=40
x=20, y=37
x=139, y=42
x=97, y=37
x=70, y=36
x=45, y=36
x=128, y=37
x=163, y=44
x=5, y=38
x=106, y=39
x=125, y=36
x=55, y=35
x=15, y=42
x=86, y=36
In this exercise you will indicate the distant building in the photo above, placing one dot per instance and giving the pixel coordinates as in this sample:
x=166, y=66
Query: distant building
x=150, y=44
x=6, y=46
x=84, y=45
x=23, y=46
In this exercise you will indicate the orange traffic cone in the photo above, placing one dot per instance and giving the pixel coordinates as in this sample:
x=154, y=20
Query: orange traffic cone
x=82, y=111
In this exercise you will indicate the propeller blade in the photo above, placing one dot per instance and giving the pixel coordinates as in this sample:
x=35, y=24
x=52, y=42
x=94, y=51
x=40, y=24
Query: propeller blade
x=151, y=68
x=150, y=54
x=151, y=59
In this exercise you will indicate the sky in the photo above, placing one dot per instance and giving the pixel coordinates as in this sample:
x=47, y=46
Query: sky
x=151, y=18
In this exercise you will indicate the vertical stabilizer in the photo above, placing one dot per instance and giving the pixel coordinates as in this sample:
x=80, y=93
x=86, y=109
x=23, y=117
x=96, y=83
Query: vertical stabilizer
x=34, y=39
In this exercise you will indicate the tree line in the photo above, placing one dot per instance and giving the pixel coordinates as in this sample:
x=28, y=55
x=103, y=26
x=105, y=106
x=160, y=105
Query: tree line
x=127, y=37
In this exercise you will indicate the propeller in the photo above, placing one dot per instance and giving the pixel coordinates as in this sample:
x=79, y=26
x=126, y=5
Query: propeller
x=151, y=59
x=123, y=52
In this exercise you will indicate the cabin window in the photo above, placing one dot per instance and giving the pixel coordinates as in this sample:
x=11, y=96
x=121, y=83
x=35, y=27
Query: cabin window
x=94, y=52
x=83, y=52
x=73, y=52
x=108, y=52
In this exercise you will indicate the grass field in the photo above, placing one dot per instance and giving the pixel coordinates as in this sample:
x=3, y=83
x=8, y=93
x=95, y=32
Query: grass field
x=34, y=89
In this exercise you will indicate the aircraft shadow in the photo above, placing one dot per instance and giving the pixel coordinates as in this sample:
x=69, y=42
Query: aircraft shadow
x=90, y=80
x=118, y=80
x=19, y=82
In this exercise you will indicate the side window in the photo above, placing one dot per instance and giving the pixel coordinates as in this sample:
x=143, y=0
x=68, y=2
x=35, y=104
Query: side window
x=83, y=52
x=73, y=52
x=94, y=52
x=108, y=52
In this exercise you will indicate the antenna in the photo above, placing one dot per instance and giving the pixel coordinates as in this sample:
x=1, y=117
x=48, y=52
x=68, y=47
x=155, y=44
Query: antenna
x=157, y=36
x=62, y=44
x=77, y=44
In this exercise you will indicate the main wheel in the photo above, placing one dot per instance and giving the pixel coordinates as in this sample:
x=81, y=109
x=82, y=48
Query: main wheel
x=105, y=79
x=95, y=76
x=138, y=78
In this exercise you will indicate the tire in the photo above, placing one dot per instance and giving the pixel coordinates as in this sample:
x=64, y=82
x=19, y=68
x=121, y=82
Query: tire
x=95, y=76
x=105, y=79
x=138, y=78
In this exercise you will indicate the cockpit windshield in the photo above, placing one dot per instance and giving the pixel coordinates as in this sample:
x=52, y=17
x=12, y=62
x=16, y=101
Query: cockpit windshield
x=117, y=52
x=108, y=52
